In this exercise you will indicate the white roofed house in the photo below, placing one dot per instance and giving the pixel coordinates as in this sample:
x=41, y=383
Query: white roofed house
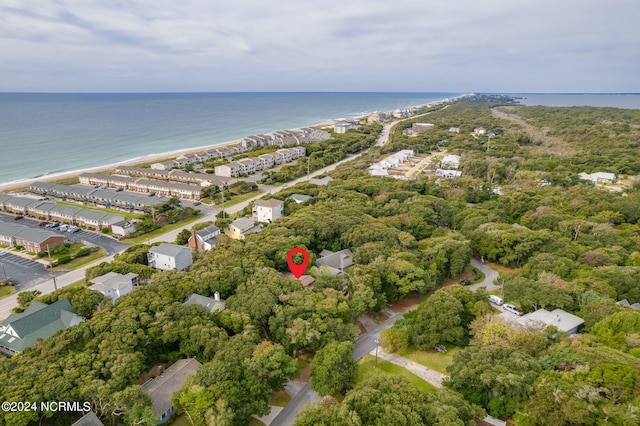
x=286, y=153
x=166, y=257
x=298, y=151
x=114, y=285
x=448, y=174
x=267, y=210
x=598, y=177
x=250, y=165
x=124, y=228
x=450, y=162
x=267, y=160
x=215, y=304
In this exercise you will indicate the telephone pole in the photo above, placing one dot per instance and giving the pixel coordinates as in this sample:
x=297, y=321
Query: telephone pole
x=53, y=272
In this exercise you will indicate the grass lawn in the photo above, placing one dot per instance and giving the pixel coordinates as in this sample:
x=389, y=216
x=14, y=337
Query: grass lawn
x=366, y=368
x=435, y=360
x=181, y=420
x=7, y=290
x=240, y=198
x=82, y=261
x=501, y=268
x=161, y=231
x=280, y=399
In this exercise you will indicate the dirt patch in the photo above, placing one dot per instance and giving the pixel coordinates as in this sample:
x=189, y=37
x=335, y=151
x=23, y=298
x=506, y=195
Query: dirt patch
x=305, y=374
x=410, y=301
x=361, y=327
x=548, y=144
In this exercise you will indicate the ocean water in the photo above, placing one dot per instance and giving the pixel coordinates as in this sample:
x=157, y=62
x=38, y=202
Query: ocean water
x=47, y=134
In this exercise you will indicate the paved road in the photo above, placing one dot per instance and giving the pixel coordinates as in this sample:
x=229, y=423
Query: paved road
x=490, y=276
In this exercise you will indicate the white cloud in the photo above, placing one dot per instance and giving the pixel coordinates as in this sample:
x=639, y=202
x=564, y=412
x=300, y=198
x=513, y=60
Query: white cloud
x=320, y=45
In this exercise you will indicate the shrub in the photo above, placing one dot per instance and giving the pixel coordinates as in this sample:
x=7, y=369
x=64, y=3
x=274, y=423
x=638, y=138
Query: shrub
x=83, y=252
x=65, y=258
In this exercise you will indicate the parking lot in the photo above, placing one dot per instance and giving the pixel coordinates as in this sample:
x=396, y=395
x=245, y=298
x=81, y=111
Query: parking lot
x=27, y=273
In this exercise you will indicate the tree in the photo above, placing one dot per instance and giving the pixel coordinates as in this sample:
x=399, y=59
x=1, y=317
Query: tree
x=333, y=368
x=438, y=320
x=270, y=364
x=26, y=297
x=183, y=237
x=496, y=377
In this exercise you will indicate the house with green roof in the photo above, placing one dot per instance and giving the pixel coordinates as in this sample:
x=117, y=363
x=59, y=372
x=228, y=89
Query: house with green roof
x=38, y=321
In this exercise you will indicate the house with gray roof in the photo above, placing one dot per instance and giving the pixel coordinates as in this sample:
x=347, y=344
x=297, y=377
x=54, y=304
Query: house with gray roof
x=41, y=209
x=299, y=198
x=8, y=232
x=215, y=304
x=63, y=213
x=321, y=182
x=38, y=321
x=113, y=285
x=204, y=239
x=89, y=419
x=625, y=302
x=170, y=256
x=240, y=228
x=36, y=240
x=19, y=204
x=338, y=263
x=96, y=219
x=541, y=319
x=162, y=387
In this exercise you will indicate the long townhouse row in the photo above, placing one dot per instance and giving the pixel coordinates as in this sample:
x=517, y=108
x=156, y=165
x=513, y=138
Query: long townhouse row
x=286, y=137
x=247, y=166
x=49, y=210
x=174, y=175
x=109, y=198
x=200, y=157
x=164, y=188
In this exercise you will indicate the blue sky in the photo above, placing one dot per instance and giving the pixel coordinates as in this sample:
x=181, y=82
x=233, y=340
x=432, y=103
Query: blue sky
x=328, y=45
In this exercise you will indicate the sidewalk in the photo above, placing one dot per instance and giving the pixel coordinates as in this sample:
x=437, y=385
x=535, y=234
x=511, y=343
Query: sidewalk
x=425, y=373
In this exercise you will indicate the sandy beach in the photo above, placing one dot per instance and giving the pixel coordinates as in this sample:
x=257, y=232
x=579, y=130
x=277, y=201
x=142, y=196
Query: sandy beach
x=152, y=158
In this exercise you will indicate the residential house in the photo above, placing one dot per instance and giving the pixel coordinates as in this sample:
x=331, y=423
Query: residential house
x=8, y=232
x=204, y=239
x=479, y=131
x=268, y=160
x=250, y=165
x=454, y=130
x=231, y=169
x=343, y=127
x=113, y=285
x=242, y=227
x=212, y=305
x=338, y=262
x=63, y=213
x=170, y=256
x=36, y=240
x=307, y=281
x=96, y=219
x=377, y=117
x=19, y=204
x=267, y=210
x=598, y=177
x=38, y=321
x=299, y=198
x=448, y=174
x=541, y=319
x=419, y=128
x=625, y=302
x=450, y=162
x=41, y=210
x=321, y=181
x=124, y=228
x=161, y=388
x=166, y=165
x=89, y=419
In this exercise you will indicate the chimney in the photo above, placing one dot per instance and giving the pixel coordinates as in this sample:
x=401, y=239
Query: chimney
x=216, y=296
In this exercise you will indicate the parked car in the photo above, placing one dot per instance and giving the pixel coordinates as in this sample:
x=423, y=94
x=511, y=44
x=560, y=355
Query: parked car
x=43, y=223
x=513, y=309
x=18, y=217
x=52, y=226
x=72, y=228
x=496, y=300
x=466, y=282
x=3, y=252
x=63, y=228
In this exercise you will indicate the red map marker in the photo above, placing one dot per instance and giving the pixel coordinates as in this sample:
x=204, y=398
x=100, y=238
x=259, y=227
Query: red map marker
x=298, y=270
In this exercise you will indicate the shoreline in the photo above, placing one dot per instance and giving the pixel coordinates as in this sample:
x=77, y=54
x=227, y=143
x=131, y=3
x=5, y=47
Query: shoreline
x=22, y=183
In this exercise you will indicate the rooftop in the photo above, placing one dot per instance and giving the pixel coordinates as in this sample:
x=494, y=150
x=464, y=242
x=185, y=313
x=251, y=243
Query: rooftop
x=162, y=388
x=168, y=249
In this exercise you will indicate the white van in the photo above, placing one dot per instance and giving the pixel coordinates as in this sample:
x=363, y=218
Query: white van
x=496, y=300
x=63, y=228
x=512, y=309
